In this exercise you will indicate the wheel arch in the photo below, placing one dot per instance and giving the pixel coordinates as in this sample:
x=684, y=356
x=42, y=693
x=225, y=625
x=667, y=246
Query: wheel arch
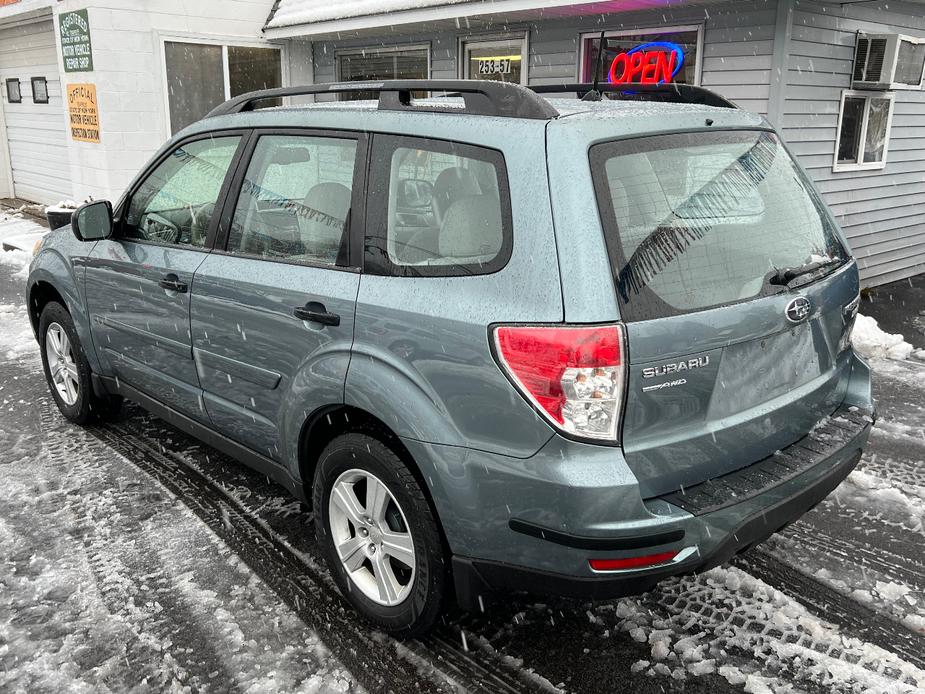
x=40, y=294
x=327, y=423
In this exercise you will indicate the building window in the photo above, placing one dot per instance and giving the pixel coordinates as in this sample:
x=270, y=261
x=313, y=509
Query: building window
x=863, y=130
x=377, y=64
x=200, y=76
x=501, y=59
x=39, y=90
x=13, y=92
x=671, y=54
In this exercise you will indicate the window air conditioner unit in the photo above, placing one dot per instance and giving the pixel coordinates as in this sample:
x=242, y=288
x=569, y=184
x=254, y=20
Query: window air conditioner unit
x=888, y=61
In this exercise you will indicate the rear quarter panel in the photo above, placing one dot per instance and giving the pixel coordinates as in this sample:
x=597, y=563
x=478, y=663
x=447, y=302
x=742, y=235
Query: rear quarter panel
x=421, y=359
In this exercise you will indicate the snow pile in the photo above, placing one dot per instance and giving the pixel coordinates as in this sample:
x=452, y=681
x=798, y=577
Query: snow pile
x=16, y=338
x=901, y=505
x=871, y=341
x=19, y=260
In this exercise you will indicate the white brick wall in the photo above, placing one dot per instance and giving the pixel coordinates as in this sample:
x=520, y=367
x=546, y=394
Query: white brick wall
x=128, y=73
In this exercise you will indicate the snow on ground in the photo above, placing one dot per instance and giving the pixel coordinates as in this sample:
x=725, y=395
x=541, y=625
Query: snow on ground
x=873, y=342
x=108, y=582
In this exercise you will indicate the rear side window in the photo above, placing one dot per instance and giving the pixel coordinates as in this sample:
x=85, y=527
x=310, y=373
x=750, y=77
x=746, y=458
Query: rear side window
x=437, y=208
x=295, y=200
x=697, y=220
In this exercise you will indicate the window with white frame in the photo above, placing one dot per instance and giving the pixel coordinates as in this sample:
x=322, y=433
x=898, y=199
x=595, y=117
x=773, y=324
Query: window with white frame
x=200, y=76
x=500, y=58
x=863, y=130
x=382, y=63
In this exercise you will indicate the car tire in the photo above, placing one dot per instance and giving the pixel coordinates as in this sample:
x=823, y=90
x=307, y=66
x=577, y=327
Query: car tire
x=67, y=370
x=409, y=605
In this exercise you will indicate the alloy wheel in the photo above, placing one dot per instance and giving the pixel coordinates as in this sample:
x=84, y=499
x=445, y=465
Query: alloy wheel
x=372, y=537
x=61, y=364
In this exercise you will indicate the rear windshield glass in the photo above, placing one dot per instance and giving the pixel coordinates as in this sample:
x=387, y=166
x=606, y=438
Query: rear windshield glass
x=697, y=220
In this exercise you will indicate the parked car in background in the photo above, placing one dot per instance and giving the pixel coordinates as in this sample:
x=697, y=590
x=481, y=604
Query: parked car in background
x=498, y=341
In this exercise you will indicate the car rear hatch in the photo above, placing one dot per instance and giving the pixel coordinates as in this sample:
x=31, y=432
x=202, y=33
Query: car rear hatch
x=738, y=297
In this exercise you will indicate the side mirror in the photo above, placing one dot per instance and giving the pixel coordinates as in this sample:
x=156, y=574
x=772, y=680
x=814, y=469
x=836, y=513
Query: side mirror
x=93, y=221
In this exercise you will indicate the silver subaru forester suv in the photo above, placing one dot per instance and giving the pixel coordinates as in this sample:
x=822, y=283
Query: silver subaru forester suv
x=497, y=341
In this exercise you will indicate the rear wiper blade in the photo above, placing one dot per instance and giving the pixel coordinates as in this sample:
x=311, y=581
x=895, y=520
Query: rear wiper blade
x=786, y=275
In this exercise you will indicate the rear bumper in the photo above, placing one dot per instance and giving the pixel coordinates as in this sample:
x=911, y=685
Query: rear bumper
x=534, y=524
x=714, y=521
x=475, y=577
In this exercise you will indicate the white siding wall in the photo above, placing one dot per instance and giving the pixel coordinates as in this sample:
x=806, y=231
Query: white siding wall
x=36, y=134
x=882, y=212
x=129, y=77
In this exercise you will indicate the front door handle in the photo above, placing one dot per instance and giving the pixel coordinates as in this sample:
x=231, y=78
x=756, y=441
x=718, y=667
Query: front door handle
x=315, y=312
x=172, y=283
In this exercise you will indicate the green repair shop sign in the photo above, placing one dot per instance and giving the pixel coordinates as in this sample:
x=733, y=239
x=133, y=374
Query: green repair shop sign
x=75, y=41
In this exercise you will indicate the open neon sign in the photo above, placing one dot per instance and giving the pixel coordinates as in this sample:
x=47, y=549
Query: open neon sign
x=649, y=63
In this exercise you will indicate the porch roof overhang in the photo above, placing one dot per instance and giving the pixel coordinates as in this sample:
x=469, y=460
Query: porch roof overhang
x=345, y=19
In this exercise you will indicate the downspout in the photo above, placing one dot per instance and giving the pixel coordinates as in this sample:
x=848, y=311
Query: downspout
x=780, y=62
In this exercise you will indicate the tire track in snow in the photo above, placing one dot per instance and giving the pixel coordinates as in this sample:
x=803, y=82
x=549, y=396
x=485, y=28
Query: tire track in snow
x=307, y=589
x=849, y=615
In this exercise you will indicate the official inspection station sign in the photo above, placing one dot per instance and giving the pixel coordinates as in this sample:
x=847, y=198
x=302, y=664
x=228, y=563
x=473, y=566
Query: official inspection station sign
x=83, y=112
x=75, y=41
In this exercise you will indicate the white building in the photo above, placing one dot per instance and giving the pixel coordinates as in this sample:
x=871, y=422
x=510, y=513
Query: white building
x=859, y=129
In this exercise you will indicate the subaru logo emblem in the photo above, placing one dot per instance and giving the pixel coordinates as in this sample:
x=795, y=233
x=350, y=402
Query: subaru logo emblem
x=798, y=309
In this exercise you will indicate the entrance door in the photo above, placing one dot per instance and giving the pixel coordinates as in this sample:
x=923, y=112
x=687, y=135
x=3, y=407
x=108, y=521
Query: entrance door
x=138, y=283
x=501, y=60
x=273, y=314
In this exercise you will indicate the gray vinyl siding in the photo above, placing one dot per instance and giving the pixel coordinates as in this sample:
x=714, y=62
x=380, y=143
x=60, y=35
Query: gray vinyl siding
x=738, y=40
x=882, y=211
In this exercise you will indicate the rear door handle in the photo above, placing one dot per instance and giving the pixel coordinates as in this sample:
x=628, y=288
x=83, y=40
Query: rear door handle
x=172, y=283
x=315, y=312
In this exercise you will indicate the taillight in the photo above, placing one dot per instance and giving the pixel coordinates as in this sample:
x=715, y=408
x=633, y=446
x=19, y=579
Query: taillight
x=572, y=374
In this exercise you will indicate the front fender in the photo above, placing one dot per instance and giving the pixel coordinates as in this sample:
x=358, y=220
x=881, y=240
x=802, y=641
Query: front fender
x=65, y=273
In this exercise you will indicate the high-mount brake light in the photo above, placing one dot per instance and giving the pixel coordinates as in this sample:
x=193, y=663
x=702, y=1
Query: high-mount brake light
x=574, y=375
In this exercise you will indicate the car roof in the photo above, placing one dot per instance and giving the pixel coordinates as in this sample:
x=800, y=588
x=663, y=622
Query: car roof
x=620, y=117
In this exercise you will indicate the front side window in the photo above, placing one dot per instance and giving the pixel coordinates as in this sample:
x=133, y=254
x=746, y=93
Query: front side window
x=200, y=76
x=378, y=64
x=295, y=200
x=863, y=131
x=175, y=203
x=697, y=220
x=440, y=208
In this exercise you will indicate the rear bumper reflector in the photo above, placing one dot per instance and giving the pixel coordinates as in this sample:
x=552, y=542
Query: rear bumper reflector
x=642, y=562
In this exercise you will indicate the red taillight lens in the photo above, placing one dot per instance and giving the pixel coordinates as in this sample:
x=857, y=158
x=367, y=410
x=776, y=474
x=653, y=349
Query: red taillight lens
x=573, y=374
x=632, y=562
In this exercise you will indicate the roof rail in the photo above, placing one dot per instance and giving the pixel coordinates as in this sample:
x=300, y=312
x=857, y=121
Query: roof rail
x=635, y=91
x=481, y=97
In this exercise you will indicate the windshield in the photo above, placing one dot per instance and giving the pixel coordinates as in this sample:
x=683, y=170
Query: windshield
x=697, y=220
